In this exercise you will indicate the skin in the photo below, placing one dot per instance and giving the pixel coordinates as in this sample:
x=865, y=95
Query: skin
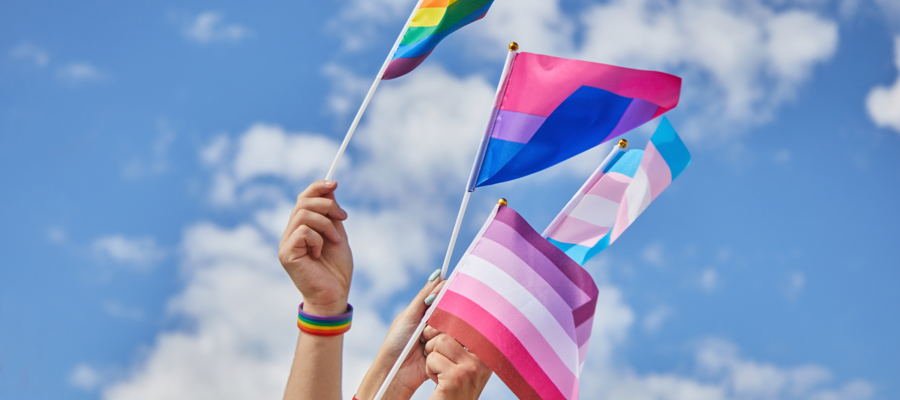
x=411, y=374
x=315, y=253
x=459, y=374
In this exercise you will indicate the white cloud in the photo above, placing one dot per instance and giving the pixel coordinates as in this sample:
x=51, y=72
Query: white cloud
x=136, y=253
x=29, y=52
x=883, y=102
x=655, y=319
x=653, y=254
x=158, y=162
x=709, y=279
x=85, y=377
x=796, y=284
x=79, y=72
x=210, y=27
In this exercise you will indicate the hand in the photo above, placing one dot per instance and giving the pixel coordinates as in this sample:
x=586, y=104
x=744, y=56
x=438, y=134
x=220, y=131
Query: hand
x=315, y=252
x=411, y=374
x=459, y=375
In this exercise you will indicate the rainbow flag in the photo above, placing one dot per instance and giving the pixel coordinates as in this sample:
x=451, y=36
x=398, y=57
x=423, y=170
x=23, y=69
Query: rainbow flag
x=433, y=21
x=616, y=195
x=522, y=306
x=553, y=109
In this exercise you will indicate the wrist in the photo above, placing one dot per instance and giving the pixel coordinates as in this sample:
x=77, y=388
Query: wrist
x=325, y=309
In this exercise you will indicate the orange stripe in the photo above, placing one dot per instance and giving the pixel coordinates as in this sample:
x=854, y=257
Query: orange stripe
x=435, y=4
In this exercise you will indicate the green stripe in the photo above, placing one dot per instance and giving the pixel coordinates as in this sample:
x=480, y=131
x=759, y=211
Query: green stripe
x=454, y=14
x=324, y=323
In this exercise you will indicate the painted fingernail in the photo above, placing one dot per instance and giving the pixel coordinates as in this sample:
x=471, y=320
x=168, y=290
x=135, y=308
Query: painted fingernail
x=434, y=275
x=430, y=299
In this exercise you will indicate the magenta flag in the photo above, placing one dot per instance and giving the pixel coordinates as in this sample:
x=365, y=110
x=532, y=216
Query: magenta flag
x=523, y=306
x=552, y=109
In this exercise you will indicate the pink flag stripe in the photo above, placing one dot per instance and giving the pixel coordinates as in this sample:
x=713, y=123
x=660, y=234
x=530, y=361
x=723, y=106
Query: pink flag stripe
x=507, y=261
x=508, y=237
x=577, y=275
x=532, y=90
x=487, y=351
x=613, y=186
x=657, y=170
x=495, y=332
x=519, y=297
x=574, y=230
x=562, y=375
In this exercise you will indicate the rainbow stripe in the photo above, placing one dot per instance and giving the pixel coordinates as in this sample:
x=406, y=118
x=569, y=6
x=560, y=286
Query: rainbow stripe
x=621, y=192
x=433, y=21
x=325, y=326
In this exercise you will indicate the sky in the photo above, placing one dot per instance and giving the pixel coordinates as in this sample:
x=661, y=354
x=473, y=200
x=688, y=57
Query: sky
x=150, y=153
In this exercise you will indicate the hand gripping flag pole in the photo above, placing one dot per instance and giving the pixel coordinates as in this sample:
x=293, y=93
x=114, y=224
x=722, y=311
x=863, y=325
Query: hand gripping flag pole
x=419, y=329
x=479, y=157
x=365, y=104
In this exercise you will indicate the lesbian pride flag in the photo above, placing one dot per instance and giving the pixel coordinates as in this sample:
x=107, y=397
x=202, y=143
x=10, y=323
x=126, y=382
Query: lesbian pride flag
x=522, y=306
x=432, y=22
x=616, y=195
x=555, y=108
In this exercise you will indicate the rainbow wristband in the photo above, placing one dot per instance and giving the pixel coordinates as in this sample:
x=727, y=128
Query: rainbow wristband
x=325, y=326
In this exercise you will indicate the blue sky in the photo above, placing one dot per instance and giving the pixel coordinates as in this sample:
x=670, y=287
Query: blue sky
x=149, y=152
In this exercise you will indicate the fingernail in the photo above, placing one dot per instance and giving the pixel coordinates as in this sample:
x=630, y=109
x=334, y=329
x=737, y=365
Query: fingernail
x=434, y=275
x=430, y=299
x=330, y=183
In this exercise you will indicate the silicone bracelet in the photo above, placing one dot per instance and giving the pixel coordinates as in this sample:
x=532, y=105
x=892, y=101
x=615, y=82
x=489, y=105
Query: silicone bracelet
x=324, y=326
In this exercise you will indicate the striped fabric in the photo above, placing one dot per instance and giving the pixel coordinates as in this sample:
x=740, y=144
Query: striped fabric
x=555, y=108
x=622, y=191
x=433, y=21
x=523, y=306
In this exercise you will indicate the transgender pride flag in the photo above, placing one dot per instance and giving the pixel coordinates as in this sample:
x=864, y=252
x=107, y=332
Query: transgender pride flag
x=523, y=306
x=553, y=108
x=616, y=195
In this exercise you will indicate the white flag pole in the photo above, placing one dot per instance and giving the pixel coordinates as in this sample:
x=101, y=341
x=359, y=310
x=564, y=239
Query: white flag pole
x=479, y=157
x=419, y=329
x=620, y=147
x=365, y=104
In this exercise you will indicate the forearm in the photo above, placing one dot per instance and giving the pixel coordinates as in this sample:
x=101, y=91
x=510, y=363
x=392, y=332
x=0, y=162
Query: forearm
x=316, y=371
x=376, y=375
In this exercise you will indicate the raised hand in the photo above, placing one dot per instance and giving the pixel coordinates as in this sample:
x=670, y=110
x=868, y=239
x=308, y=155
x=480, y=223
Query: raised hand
x=459, y=375
x=315, y=252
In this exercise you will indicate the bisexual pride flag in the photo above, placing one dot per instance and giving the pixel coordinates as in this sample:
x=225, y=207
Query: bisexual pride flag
x=616, y=195
x=522, y=306
x=555, y=108
x=432, y=22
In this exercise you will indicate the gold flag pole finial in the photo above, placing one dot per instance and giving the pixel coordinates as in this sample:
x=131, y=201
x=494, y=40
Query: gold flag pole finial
x=513, y=46
x=623, y=143
x=502, y=202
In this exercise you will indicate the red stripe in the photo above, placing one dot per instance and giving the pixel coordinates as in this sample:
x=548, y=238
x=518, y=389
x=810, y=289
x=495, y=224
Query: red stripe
x=509, y=349
x=485, y=350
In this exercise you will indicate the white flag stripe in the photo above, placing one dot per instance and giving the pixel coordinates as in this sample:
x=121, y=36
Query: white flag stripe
x=524, y=301
x=638, y=195
x=596, y=210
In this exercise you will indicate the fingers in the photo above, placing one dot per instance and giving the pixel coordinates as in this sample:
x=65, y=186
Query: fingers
x=430, y=333
x=318, y=222
x=437, y=364
x=305, y=241
x=448, y=347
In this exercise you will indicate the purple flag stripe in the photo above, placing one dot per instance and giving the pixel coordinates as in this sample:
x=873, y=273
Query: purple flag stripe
x=639, y=112
x=578, y=275
x=509, y=238
x=514, y=126
x=507, y=261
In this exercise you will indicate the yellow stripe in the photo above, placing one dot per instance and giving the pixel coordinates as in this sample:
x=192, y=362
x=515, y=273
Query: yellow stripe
x=426, y=17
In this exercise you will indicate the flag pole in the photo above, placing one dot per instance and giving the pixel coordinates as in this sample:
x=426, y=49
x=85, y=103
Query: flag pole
x=365, y=104
x=618, y=148
x=423, y=323
x=479, y=157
